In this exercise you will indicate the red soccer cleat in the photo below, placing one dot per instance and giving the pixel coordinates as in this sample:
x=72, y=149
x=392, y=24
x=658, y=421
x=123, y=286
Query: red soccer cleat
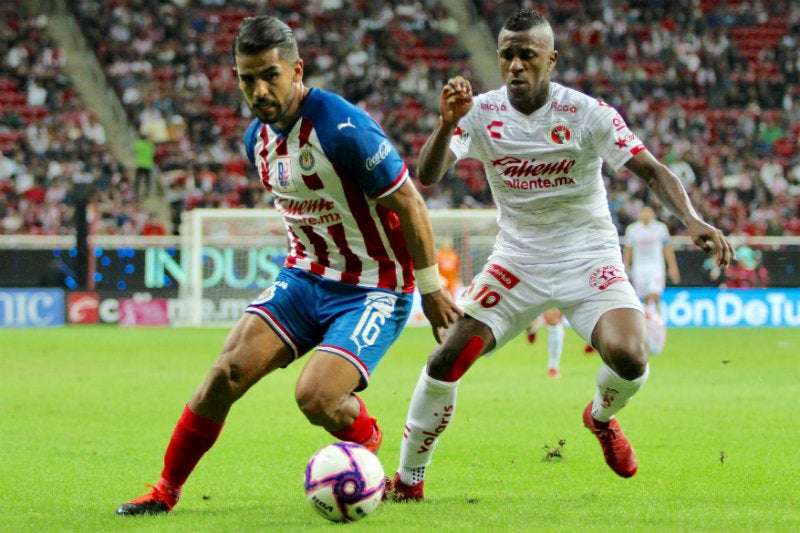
x=159, y=500
x=397, y=491
x=553, y=373
x=616, y=448
x=374, y=443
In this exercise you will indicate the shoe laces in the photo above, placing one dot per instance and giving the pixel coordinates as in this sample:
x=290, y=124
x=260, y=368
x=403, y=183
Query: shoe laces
x=156, y=494
x=612, y=434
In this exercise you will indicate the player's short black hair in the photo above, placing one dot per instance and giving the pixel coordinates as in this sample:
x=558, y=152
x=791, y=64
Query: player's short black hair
x=524, y=20
x=264, y=32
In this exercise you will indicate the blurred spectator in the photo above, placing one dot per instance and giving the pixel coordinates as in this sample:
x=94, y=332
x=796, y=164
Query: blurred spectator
x=144, y=151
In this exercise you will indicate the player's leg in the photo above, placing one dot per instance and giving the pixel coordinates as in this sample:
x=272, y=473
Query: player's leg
x=324, y=393
x=621, y=339
x=533, y=329
x=555, y=341
x=251, y=350
x=608, y=312
x=433, y=403
x=361, y=325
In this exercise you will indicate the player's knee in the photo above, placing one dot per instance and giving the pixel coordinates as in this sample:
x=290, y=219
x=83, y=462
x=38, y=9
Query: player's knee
x=319, y=408
x=313, y=406
x=627, y=356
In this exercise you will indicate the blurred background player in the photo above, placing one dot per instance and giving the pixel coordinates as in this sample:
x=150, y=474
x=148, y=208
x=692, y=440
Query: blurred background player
x=554, y=320
x=357, y=228
x=449, y=266
x=646, y=250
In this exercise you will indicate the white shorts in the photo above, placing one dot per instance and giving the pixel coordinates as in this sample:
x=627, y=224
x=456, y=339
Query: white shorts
x=648, y=281
x=507, y=296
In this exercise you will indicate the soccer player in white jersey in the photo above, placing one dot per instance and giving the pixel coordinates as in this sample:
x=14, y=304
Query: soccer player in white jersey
x=357, y=229
x=646, y=251
x=646, y=248
x=542, y=146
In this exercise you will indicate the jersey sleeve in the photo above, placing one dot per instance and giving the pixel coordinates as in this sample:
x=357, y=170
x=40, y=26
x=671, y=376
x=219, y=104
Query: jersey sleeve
x=610, y=136
x=358, y=146
x=461, y=141
x=250, y=136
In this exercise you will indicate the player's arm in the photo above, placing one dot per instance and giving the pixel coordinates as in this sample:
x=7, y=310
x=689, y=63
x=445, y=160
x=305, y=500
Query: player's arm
x=671, y=194
x=417, y=230
x=455, y=101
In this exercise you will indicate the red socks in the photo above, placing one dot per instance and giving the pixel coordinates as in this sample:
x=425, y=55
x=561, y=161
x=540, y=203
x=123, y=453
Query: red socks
x=361, y=430
x=193, y=436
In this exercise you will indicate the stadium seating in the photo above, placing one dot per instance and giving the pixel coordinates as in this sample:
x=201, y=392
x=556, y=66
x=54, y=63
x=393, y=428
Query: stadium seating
x=712, y=76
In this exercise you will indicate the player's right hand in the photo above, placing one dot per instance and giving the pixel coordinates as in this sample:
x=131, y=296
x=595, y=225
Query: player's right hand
x=455, y=100
x=441, y=311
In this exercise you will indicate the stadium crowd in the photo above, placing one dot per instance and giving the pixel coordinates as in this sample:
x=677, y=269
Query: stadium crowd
x=711, y=86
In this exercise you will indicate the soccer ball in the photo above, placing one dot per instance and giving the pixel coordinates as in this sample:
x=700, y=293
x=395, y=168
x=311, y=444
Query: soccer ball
x=344, y=482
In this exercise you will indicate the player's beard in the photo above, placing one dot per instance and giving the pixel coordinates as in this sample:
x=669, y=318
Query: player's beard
x=267, y=111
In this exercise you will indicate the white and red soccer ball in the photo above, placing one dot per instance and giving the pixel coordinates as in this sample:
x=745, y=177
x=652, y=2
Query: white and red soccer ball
x=344, y=482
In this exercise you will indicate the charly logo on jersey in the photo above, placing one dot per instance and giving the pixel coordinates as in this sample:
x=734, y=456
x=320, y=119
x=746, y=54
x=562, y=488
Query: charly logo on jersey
x=375, y=159
x=306, y=160
x=283, y=174
x=560, y=133
x=495, y=128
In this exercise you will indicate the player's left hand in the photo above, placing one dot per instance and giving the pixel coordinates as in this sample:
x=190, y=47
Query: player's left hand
x=441, y=311
x=713, y=242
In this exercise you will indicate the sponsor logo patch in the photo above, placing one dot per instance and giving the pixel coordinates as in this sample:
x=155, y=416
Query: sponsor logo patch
x=502, y=275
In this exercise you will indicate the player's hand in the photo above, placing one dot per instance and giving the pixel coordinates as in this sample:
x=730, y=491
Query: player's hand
x=455, y=100
x=713, y=242
x=441, y=311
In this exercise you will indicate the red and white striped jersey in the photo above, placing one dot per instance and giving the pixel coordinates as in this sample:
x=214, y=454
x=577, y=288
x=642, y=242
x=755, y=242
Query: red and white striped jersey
x=325, y=175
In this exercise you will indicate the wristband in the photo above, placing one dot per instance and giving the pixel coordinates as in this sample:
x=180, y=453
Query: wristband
x=428, y=279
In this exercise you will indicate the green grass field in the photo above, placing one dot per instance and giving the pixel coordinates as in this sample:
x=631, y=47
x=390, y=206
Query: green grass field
x=87, y=411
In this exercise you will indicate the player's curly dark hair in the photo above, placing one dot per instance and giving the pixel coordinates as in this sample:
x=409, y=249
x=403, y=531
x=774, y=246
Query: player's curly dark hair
x=264, y=32
x=524, y=20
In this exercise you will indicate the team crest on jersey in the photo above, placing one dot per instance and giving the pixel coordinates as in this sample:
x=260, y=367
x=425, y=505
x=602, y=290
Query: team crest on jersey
x=605, y=276
x=306, y=160
x=283, y=174
x=560, y=133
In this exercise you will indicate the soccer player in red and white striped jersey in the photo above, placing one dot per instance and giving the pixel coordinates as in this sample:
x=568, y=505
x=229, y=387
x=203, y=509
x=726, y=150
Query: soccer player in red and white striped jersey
x=359, y=235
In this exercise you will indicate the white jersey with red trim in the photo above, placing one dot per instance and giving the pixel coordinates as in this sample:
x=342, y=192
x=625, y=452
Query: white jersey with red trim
x=325, y=174
x=544, y=170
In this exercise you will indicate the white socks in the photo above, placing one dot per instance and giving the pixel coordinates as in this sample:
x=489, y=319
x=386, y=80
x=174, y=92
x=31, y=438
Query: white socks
x=613, y=392
x=555, y=345
x=432, y=407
